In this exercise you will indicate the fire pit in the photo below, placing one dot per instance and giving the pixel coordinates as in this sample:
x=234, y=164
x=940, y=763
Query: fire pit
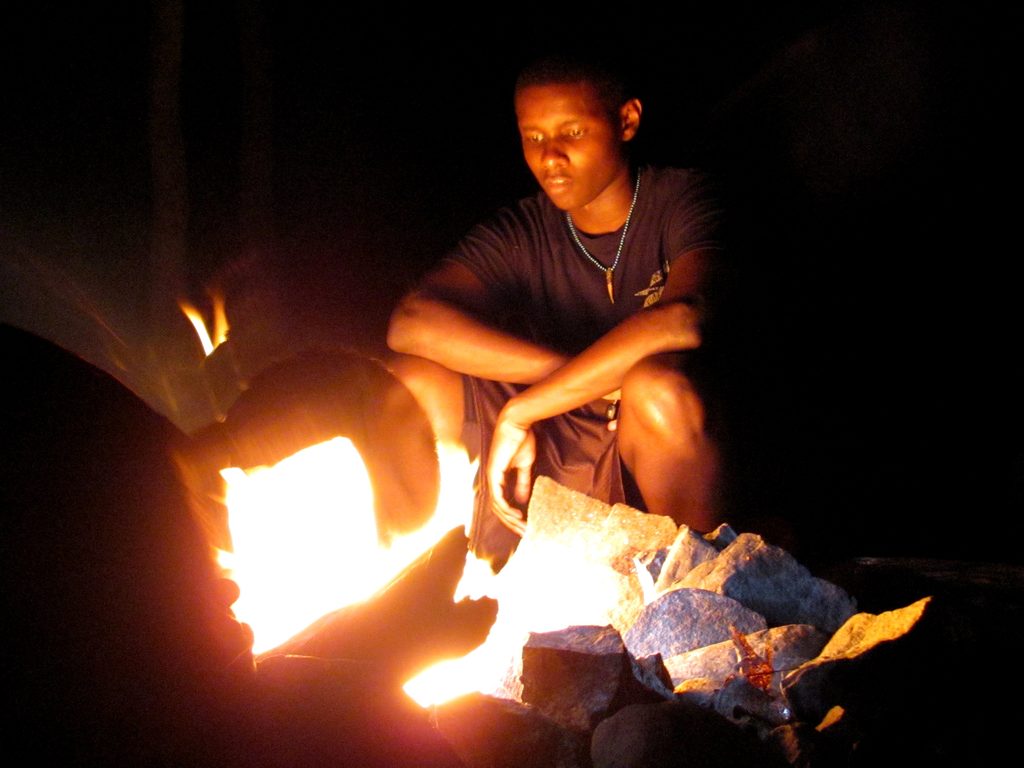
x=739, y=656
x=641, y=660
x=727, y=624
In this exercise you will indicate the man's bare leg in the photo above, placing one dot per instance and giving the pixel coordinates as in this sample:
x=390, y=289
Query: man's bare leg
x=438, y=390
x=663, y=441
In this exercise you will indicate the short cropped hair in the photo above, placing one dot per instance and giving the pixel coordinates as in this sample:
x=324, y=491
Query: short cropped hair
x=609, y=80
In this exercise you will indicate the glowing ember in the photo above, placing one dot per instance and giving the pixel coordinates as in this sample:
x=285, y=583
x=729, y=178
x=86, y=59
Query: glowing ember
x=220, y=323
x=305, y=540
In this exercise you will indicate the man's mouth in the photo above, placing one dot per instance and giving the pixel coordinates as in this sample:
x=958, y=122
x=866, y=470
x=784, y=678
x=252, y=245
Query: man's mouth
x=556, y=183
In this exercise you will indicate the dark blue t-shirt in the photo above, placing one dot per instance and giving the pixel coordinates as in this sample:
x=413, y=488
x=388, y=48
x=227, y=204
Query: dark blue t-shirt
x=546, y=290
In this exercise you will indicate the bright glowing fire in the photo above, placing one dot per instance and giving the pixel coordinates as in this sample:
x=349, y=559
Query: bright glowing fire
x=541, y=589
x=305, y=544
x=305, y=540
x=220, y=323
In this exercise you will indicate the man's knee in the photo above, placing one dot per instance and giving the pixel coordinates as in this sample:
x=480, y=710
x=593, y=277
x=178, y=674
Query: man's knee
x=437, y=390
x=659, y=398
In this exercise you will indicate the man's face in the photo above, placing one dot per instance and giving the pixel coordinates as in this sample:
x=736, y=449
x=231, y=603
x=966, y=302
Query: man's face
x=573, y=146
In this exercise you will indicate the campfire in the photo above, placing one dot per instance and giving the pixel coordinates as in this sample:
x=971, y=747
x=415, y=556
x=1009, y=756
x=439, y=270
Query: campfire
x=610, y=637
x=609, y=631
x=602, y=609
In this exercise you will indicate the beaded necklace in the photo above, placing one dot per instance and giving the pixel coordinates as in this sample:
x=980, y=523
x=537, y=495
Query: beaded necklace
x=618, y=253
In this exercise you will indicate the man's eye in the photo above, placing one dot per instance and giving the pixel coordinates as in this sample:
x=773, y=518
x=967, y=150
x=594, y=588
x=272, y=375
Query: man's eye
x=575, y=133
x=533, y=138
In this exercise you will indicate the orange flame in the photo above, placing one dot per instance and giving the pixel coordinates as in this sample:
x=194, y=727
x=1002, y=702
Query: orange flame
x=220, y=323
x=542, y=588
x=305, y=541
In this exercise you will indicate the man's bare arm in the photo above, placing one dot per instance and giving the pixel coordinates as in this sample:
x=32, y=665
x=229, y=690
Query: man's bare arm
x=671, y=325
x=442, y=320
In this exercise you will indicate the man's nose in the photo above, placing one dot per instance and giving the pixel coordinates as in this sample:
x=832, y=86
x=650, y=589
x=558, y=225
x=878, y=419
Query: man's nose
x=552, y=154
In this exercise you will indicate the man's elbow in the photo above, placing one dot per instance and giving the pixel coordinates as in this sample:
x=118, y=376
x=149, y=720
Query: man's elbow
x=405, y=325
x=679, y=325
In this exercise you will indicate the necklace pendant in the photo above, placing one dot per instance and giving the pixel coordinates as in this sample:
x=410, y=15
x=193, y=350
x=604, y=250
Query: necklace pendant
x=608, y=282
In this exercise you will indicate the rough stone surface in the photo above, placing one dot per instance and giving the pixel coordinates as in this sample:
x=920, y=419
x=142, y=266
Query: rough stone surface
x=632, y=532
x=687, y=552
x=580, y=675
x=613, y=534
x=574, y=546
x=487, y=732
x=737, y=700
x=790, y=646
x=865, y=630
x=767, y=579
x=863, y=658
x=651, y=672
x=798, y=744
x=699, y=690
x=751, y=706
x=684, y=619
x=654, y=562
x=722, y=536
x=677, y=735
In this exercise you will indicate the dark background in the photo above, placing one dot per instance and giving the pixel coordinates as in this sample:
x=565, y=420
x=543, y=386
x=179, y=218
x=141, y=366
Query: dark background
x=320, y=160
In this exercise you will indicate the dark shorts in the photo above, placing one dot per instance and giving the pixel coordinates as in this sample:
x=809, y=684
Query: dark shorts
x=575, y=449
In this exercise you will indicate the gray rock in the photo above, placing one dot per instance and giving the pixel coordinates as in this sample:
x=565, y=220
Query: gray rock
x=676, y=734
x=738, y=701
x=748, y=705
x=789, y=646
x=869, y=655
x=721, y=537
x=580, y=675
x=700, y=691
x=769, y=580
x=651, y=672
x=687, y=551
x=684, y=619
x=654, y=562
x=488, y=732
x=613, y=534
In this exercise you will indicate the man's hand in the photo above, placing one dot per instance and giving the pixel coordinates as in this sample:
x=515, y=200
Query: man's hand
x=513, y=447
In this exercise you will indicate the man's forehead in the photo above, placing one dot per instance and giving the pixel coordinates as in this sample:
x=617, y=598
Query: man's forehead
x=558, y=101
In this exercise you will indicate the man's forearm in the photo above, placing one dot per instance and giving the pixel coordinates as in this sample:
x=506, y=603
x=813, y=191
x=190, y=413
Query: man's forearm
x=600, y=368
x=442, y=332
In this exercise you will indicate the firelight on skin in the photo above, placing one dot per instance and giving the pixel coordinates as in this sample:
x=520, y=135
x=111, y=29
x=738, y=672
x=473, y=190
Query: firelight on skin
x=575, y=151
x=574, y=141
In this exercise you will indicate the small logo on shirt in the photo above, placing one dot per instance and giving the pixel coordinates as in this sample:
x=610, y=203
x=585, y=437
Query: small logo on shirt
x=653, y=290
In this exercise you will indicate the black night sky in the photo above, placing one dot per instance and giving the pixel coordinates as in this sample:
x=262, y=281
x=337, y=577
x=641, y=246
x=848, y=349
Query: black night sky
x=326, y=158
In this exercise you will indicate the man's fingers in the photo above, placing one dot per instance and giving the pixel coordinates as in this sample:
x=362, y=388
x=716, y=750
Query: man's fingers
x=509, y=516
x=523, y=484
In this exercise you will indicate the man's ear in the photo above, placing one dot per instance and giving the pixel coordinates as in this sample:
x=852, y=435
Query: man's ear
x=629, y=118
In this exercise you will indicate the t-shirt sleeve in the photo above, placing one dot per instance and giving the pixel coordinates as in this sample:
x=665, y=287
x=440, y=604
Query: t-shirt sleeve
x=494, y=251
x=694, y=219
